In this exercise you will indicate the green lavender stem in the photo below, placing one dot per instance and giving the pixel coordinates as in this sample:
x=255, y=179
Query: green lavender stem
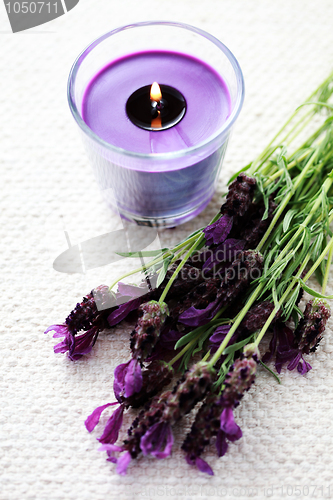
x=327, y=270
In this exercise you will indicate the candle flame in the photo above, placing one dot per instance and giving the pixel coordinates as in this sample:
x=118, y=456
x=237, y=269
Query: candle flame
x=155, y=92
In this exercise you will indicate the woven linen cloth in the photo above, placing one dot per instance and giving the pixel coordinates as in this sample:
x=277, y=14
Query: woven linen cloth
x=285, y=49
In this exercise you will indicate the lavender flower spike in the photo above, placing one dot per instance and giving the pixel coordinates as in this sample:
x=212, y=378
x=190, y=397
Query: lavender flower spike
x=311, y=327
x=239, y=380
x=239, y=197
x=191, y=389
x=85, y=316
x=148, y=328
x=215, y=417
x=291, y=346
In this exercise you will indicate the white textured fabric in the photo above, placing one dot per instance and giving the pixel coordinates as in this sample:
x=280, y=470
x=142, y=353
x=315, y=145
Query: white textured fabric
x=285, y=50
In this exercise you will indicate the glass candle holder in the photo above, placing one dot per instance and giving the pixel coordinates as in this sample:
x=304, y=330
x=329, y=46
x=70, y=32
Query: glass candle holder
x=156, y=177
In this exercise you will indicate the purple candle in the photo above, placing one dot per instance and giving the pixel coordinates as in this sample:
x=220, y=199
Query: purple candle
x=206, y=94
x=167, y=174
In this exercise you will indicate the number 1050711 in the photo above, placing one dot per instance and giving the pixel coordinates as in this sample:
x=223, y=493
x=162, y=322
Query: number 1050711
x=31, y=7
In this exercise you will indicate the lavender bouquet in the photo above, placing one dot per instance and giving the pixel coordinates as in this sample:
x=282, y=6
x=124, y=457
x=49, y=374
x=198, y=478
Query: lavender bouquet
x=216, y=294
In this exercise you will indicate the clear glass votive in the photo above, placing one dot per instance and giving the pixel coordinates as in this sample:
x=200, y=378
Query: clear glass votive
x=156, y=177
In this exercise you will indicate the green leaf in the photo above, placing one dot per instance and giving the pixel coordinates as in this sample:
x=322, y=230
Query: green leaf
x=270, y=371
x=312, y=292
x=199, y=330
x=189, y=336
x=186, y=358
x=317, y=246
x=225, y=368
x=319, y=275
x=290, y=305
x=202, y=340
x=295, y=317
x=235, y=347
x=275, y=297
x=164, y=270
x=147, y=253
x=190, y=236
x=288, y=218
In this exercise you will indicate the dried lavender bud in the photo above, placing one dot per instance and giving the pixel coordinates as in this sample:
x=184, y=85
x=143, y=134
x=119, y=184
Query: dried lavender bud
x=188, y=277
x=148, y=328
x=215, y=417
x=86, y=314
x=246, y=267
x=200, y=305
x=146, y=419
x=205, y=426
x=156, y=376
x=191, y=389
x=239, y=196
x=240, y=377
x=256, y=317
x=199, y=297
x=252, y=226
x=309, y=332
x=185, y=281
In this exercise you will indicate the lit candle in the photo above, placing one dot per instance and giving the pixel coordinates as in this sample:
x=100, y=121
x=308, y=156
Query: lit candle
x=157, y=123
x=147, y=107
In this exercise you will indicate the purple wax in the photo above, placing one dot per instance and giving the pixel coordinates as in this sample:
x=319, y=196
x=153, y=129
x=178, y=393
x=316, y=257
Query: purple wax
x=166, y=191
x=206, y=94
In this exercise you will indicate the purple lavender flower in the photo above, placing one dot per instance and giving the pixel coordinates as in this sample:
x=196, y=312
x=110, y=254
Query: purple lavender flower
x=252, y=226
x=217, y=232
x=154, y=379
x=111, y=431
x=128, y=376
x=309, y=331
x=223, y=253
x=205, y=426
x=218, y=336
x=130, y=448
x=239, y=197
x=86, y=316
x=150, y=432
x=289, y=346
x=148, y=328
x=158, y=440
x=215, y=417
x=228, y=430
x=192, y=387
x=123, y=311
x=209, y=297
x=127, y=379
